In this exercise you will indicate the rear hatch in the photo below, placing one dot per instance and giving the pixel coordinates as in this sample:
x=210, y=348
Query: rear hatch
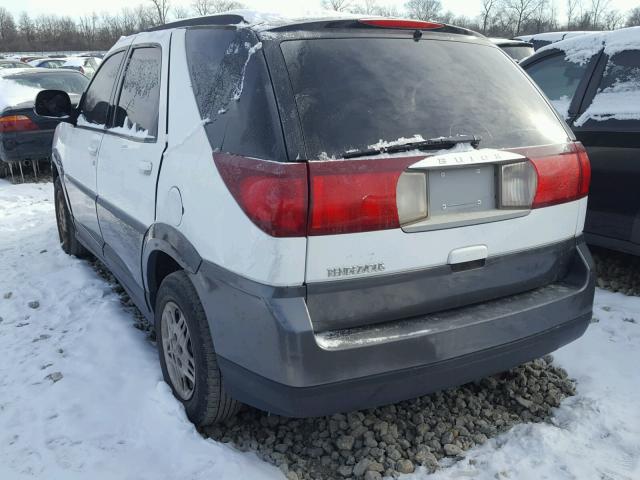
x=438, y=175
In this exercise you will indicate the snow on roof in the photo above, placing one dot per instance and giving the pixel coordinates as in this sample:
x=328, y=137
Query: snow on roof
x=75, y=61
x=580, y=49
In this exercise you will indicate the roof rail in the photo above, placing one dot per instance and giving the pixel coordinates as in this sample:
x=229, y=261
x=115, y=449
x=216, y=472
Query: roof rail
x=229, y=19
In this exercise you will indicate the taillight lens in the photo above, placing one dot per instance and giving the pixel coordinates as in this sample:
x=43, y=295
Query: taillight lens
x=16, y=123
x=272, y=194
x=562, y=177
x=346, y=196
x=350, y=196
x=518, y=183
x=411, y=197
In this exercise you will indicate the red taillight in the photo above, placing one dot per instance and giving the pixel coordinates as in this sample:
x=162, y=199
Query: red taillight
x=272, y=194
x=562, y=176
x=346, y=196
x=350, y=196
x=399, y=23
x=16, y=123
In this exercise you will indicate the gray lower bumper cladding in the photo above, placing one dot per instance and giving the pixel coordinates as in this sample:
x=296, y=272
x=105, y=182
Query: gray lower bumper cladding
x=272, y=358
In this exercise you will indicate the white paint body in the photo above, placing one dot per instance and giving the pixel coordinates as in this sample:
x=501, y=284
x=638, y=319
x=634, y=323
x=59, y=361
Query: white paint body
x=192, y=197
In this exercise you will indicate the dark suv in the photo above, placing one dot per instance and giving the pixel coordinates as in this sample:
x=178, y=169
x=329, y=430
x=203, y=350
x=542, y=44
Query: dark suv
x=594, y=83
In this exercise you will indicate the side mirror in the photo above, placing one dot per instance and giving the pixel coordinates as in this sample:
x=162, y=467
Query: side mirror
x=54, y=104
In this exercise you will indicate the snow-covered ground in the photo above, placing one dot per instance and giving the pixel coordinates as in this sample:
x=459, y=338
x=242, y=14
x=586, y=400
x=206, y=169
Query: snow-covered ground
x=82, y=397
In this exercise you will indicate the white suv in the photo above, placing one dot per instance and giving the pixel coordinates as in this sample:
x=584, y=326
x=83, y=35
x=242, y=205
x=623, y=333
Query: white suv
x=326, y=215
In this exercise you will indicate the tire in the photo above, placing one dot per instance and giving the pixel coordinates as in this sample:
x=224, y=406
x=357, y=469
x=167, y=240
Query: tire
x=66, y=228
x=178, y=309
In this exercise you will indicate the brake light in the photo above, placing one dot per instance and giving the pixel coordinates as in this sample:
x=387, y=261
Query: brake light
x=350, y=196
x=272, y=194
x=562, y=177
x=16, y=123
x=346, y=196
x=399, y=23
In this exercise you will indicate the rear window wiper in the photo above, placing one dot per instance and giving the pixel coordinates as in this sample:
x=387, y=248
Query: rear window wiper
x=429, y=144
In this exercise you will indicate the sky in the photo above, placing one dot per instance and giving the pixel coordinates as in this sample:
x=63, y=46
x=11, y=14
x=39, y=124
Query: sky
x=76, y=8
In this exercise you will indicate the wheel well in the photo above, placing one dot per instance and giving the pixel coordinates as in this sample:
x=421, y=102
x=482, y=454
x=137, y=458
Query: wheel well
x=54, y=171
x=160, y=265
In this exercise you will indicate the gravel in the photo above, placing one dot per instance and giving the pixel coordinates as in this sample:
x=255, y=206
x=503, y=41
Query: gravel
x=617, y=272
x=396, y=439
x=430, y=431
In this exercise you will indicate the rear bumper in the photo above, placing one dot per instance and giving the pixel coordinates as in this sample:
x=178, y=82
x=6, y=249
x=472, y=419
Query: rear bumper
x=272, y=358
x=34, y=145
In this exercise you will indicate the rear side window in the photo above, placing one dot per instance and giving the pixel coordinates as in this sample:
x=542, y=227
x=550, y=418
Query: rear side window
x=139, y=101
x=618, y=95
x=233, y=91
x=559, y=79
x=353, y=93
x=518, y=52
x=623, y=71
x=95, y=106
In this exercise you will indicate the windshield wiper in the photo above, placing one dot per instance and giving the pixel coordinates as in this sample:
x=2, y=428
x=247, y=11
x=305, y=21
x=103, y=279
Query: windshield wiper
x=429, y=144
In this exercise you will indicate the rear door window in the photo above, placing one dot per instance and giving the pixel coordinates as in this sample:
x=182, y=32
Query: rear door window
x=354, y=93
x=95, y=107
x=559, y=79
x=139, y=101
x=618, y=95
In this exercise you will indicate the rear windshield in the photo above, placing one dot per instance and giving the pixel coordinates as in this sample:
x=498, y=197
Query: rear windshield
x=518, y=52
x=69, y=82
x=354, y=93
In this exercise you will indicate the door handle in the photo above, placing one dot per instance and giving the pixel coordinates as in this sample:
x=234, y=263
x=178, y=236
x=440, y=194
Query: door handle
x=145, y=167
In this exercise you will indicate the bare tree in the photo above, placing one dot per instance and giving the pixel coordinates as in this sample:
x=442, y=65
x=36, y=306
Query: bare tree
x=337, y=5
x=8, y=30
x=88, y=28
x=27, y=31
x=161, y=9
x=424, y=9
x=202, y=7
x=597, y=10
x=209, y=7
x=521, y=11
x=487, y=13
x=573, y=6
x=612, y=19
x=146, y=16
x=181, y=12
x=634, y=17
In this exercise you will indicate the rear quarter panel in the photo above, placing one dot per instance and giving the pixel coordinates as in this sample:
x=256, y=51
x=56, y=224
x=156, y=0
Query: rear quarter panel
x=212, y=220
